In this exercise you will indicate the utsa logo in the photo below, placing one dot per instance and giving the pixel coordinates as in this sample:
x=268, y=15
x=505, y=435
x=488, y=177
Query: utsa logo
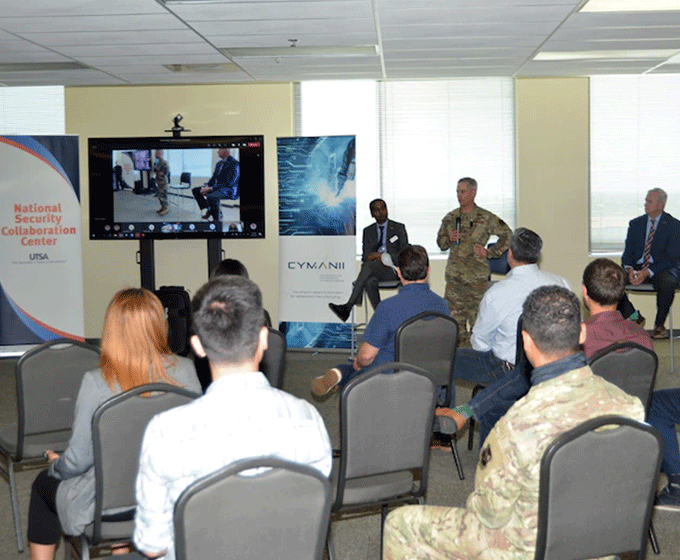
x=39, y=257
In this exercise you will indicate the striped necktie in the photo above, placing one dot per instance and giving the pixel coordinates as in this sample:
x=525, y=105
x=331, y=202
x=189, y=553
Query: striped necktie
x=648, y=244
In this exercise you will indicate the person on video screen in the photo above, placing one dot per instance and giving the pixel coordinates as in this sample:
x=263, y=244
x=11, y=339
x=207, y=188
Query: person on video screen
x=224, y=184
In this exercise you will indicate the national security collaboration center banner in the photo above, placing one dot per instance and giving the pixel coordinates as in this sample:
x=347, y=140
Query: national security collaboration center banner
x=41, y=279
x=317, y=229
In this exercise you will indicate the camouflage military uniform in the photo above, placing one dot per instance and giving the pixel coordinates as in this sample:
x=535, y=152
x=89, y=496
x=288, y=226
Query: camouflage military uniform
x=467, y=275
x=501, y=514
x=161, y=169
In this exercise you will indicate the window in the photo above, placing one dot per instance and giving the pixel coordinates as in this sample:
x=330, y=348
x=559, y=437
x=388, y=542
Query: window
x=416, y=139
x=337, y=108
x=435, y=132
x=634, y=147
x=32, y=110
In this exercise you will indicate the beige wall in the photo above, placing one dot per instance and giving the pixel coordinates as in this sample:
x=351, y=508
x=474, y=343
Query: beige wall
x=148, y=111
x=552, y=177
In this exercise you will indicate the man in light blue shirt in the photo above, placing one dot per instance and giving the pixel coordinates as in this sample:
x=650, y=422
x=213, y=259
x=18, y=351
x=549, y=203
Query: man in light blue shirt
x=494, y=334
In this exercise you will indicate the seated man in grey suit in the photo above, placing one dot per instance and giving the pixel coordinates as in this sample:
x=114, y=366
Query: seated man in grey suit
x=384, y=237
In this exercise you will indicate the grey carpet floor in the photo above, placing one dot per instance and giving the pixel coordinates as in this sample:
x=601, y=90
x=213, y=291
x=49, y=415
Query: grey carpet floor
x=357, y=536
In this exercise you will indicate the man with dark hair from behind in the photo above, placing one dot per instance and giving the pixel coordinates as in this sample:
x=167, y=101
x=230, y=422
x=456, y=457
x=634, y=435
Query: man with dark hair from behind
x=241, y=416
x=377, y=348
x=603, y=284
x=385, y=238
x=500, y=517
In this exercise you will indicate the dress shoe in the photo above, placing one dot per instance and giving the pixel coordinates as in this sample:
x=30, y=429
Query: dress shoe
x=325, y=383
x=669, y=497
x=342, y=311
x=660, y=332
x=206, y=215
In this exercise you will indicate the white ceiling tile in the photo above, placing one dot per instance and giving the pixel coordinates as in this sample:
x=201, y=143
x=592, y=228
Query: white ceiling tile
x=621, y=33
x=104, y=62
x=441, y=30
x=473, y=13
x=287, y=10
x=130, y=40
x=113, y=38
x=83, y=52
x=48, y=8
x=288, y=27
x=303, y=40
x=63, y=24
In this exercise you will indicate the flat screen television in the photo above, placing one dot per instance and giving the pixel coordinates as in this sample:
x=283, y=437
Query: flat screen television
x=123, y=187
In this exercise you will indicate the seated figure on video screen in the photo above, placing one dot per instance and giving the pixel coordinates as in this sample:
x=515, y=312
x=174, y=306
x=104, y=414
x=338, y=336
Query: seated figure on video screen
x=224, y=184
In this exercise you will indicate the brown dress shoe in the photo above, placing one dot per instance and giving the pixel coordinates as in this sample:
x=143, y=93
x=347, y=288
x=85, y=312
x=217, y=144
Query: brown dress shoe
x=660, y=332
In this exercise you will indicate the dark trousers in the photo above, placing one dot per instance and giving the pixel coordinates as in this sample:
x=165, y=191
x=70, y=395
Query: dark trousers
x=43, y=521
x=491, y=404
x=212, y=199
x=371, y=273
x=665, y=285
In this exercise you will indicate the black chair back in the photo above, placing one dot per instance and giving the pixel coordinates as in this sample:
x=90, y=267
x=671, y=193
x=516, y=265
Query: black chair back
x=629, y=366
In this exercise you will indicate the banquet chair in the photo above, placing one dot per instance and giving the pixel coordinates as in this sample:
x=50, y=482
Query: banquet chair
x=586, y=508
x=278, y=511
x=47, y=382
x=274, y=358
x=429, y=341
x=118, y=427
x=386, y=417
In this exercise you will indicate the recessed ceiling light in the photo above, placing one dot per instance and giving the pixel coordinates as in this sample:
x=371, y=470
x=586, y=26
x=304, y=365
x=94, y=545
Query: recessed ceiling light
x=660, y=54
x=631, y=6
x=202, y=68
x=41, y=66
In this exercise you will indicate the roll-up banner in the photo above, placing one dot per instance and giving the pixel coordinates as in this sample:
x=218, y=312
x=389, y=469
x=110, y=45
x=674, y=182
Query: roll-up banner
x=41, y=279
x=317, y=230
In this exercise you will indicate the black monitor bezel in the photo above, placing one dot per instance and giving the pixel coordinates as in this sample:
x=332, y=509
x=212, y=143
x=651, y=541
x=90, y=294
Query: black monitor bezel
x=100, y=162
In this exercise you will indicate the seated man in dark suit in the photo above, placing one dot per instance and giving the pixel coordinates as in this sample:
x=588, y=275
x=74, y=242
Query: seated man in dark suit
x=651, y=255
x=224, y=183
x=385, y=237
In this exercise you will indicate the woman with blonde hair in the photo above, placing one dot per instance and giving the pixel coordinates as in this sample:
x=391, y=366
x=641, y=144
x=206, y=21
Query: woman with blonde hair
x=135, y=352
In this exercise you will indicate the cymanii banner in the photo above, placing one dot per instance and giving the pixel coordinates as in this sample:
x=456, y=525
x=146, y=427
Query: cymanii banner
x=317, y=228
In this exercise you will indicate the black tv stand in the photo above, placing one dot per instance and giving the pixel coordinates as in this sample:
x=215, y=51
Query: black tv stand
x=147, y=263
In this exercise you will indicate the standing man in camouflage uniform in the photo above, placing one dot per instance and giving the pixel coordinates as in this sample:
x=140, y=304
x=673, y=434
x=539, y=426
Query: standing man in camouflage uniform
x=466, y=231
x=162, y=170
x=501, y=515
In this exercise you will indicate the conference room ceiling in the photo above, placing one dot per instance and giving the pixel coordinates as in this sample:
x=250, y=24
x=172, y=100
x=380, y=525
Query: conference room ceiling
x=138, y=42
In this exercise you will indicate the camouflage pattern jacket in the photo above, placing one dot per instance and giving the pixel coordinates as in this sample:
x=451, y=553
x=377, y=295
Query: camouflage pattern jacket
x=502, y=511
x=476, y=227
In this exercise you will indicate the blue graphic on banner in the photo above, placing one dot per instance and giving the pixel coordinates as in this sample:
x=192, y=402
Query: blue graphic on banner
x=317, y=335
x=313, y=173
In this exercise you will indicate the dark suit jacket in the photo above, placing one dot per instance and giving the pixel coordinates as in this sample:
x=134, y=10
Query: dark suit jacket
x=226, y=174
x=665, y=245
x=397, y=239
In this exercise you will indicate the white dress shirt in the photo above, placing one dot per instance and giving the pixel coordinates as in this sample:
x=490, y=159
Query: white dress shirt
x=496, y=325
x=241, y=416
